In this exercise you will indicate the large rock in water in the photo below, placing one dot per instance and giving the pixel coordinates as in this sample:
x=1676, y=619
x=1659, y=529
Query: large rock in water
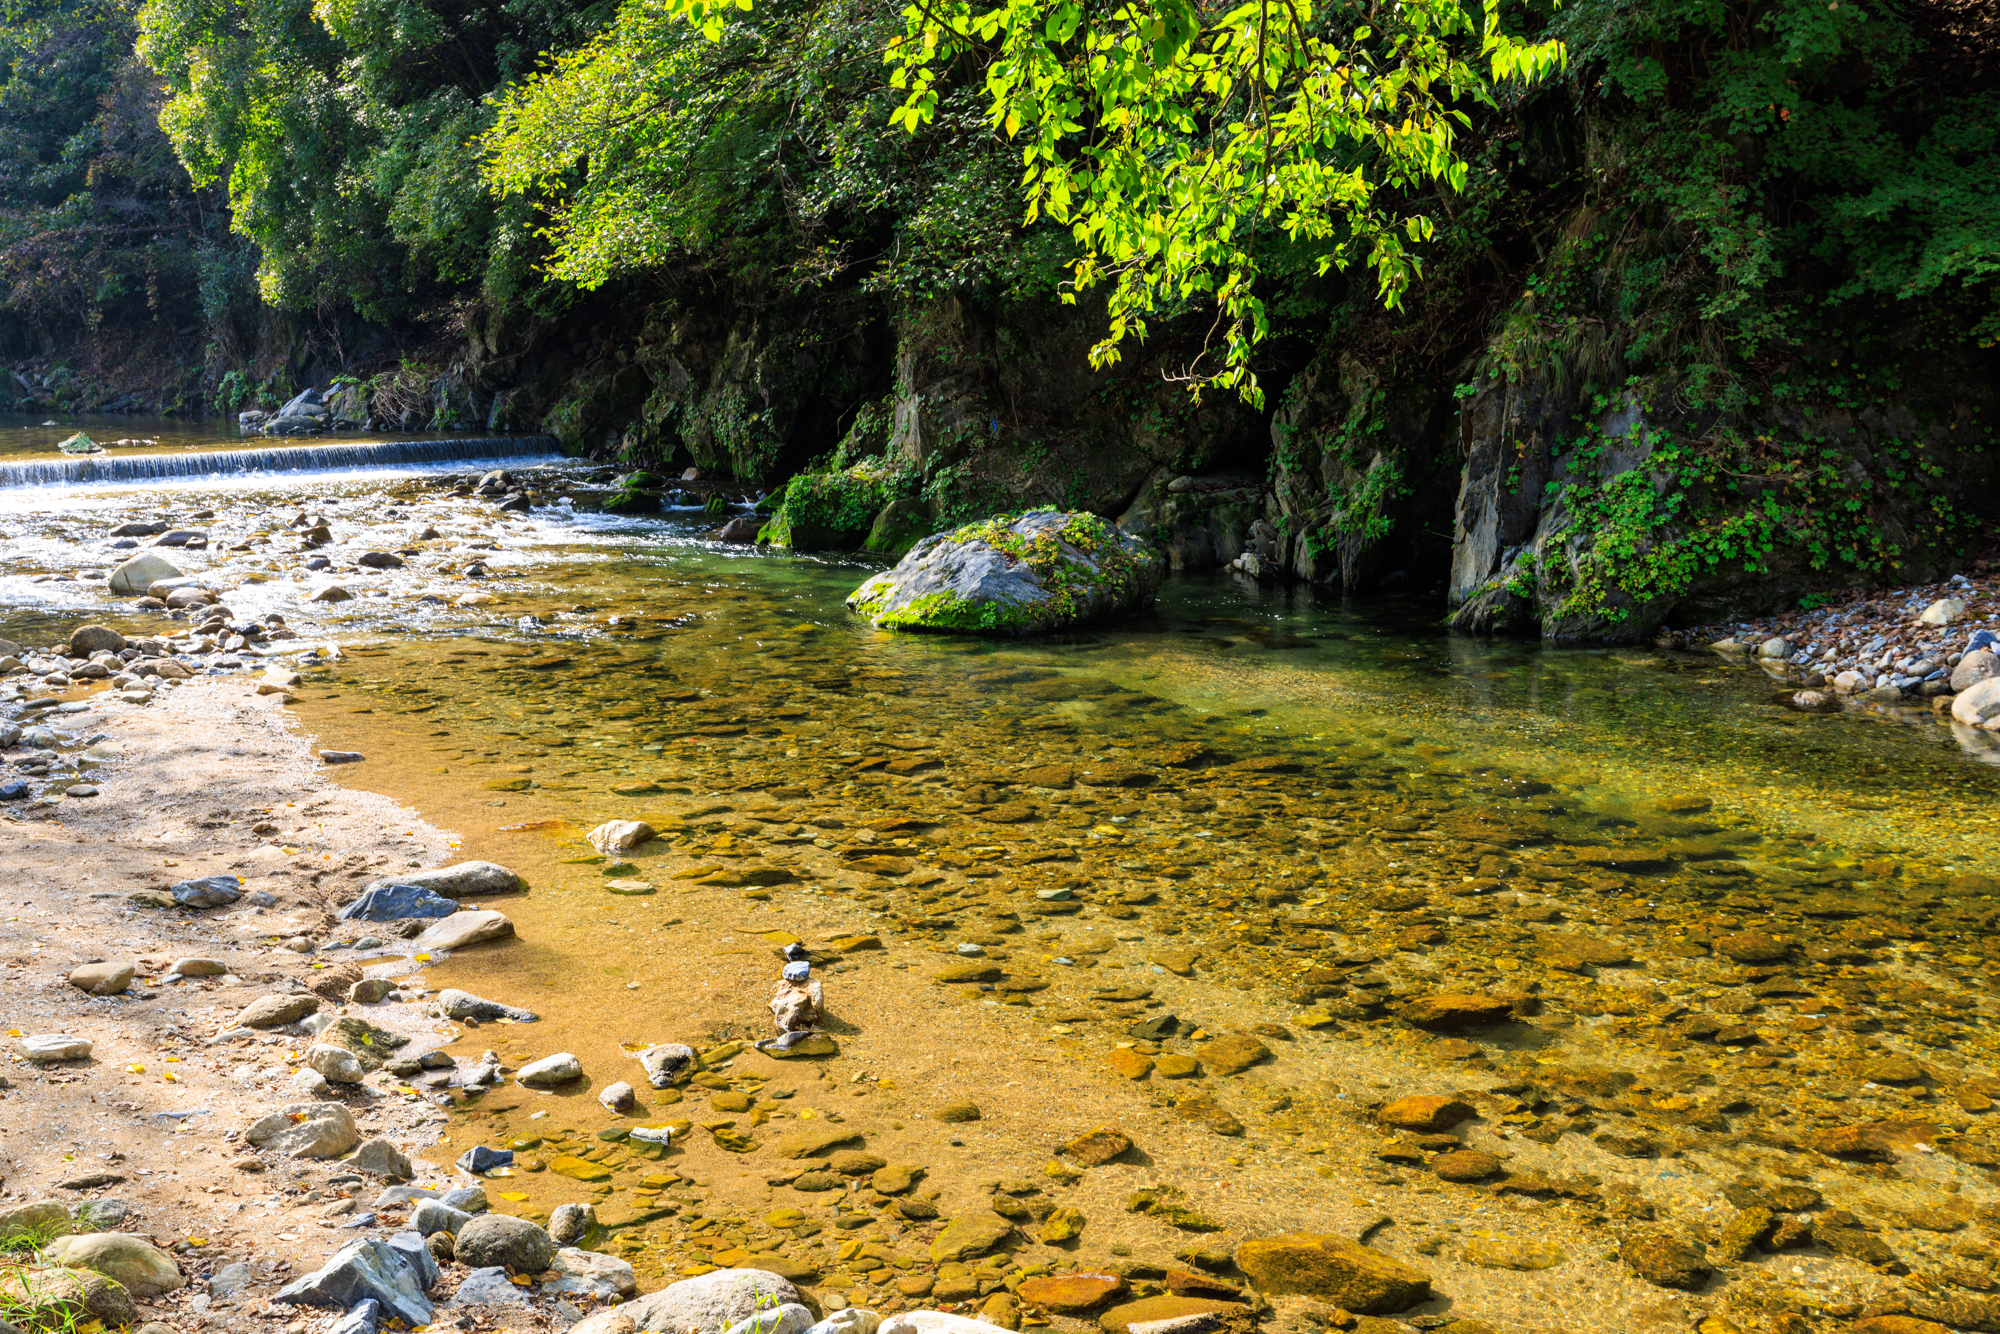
x=458, y=881
x=1046, y=570
x=138, y=574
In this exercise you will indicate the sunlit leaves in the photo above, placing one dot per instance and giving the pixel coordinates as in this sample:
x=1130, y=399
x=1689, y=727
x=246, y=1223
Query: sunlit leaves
x=1171, y=140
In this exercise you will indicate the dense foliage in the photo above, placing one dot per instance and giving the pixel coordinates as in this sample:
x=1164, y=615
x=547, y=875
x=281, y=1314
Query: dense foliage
x=98, y=222
x=342, y=129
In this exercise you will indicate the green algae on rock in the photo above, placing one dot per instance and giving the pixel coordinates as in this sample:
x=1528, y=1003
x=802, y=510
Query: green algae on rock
x=1040, y=571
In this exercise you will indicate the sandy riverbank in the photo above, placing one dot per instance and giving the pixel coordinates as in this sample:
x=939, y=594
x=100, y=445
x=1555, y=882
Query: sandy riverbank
x=152, y=1120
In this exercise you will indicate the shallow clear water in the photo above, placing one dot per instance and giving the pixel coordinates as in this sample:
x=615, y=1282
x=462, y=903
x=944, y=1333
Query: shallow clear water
x=1291, y=788
x=1221, y=661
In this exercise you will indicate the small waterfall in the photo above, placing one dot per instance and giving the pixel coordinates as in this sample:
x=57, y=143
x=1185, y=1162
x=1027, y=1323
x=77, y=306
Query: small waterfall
x=282, y=458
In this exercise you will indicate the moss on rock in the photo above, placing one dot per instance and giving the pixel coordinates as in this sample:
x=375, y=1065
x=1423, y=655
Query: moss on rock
x=1023, y=574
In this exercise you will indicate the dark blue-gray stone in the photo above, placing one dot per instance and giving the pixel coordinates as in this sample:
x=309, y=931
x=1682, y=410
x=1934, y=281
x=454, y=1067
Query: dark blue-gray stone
x=211, y=891
x=361, y=1270
x=394, y=903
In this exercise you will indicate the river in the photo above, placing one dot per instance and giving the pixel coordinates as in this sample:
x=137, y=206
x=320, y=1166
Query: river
x=1255, y=800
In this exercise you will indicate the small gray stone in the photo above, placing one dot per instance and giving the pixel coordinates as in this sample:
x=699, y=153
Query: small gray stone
x=551, y=1071
x=101, y=1215
x=667, y=1063
x=504, y=1240
x=571, y=1223
x=231, y=1279
x=103, y=979
x=436, y=1216
x=211, y=891
x=472, y=1199
x=44, y=1048
x=306, y=1130
x=604, y=1278
x=619, y=1097
x=378, y=1157
x=489, y=1287
x=364, y=1317
x=277, y=1011
x=337, y=1065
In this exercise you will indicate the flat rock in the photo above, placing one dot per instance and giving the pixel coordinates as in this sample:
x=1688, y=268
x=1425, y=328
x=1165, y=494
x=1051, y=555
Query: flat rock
x=551, y=1071
x=970, y=1235
x=456, y=1004
x=1466, y=1165
x=103, y=979
x=1335, y=1269
x=462, y=929
x=192, y=967
x=1097, y=1147
x=1069, y=1294
x=813, y=1141
x=1450, y=1010
x=1513, y=1253
x=144, y=1269
x=1427, y=1112
x=709, y=1304
x=489, y=1286
x=458, y=881
x=1750, y=947
x=1233, y=1053
x=1154, y=1310
x=1665, y=1261
x=306, y=1130
x=210, y=891
x=45, y=1048
x=277, y=1011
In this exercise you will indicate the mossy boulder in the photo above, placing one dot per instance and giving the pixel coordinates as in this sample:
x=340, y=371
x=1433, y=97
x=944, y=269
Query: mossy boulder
x=638, y=493
x=835, y=509
x=901, y=525
x=1036, y=572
